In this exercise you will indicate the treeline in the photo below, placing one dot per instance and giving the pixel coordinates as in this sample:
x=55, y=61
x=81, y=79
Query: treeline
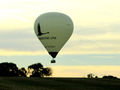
x=104, y=77
x=34, y=70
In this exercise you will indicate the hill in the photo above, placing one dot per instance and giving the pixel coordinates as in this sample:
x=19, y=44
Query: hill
x=21, y=83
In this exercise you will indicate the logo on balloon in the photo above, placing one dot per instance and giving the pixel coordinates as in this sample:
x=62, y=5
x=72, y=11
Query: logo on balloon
x=39, y=31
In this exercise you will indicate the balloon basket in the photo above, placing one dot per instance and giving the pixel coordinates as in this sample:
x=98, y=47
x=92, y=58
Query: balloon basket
x=53, y=61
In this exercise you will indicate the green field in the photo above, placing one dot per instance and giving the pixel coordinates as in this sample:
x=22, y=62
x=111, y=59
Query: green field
x=20, y=83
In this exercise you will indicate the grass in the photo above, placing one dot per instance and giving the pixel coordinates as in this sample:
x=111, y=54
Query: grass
x=21, y=83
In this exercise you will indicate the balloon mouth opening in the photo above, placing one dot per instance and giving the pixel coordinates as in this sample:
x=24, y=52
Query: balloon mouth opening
x=53, y=54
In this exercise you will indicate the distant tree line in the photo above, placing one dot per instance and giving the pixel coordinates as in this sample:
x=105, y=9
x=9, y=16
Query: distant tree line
x=91, y=75
x=109, y=77
x=34, y=70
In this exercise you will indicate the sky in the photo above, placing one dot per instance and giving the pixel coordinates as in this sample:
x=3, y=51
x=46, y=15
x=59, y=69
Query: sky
x=94, y=46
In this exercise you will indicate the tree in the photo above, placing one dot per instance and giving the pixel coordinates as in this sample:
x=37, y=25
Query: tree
x=47, y=71
x=34, y=70
x=96, y=76
x=9, y=70
x=109, y=77
x=90, y=75
x=37, y=70
x=22, y=72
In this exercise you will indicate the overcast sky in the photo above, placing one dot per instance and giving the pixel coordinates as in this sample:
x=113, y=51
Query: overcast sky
x=95, y=40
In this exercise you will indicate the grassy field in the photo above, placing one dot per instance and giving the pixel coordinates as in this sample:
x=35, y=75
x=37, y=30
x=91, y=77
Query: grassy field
x=20, y=83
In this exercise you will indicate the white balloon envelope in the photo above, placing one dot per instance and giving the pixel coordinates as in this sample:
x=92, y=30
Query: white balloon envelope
x=53, y=29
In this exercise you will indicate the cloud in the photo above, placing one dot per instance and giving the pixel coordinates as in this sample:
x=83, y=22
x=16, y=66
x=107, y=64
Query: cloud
x=103, y=36
x=20, y=40
x=82, y=71
x=94, y=43
x=19, y=53
x=81, y=42
x=87, y=13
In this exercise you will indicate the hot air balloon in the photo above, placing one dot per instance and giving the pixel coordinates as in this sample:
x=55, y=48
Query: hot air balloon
x=53, y=29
